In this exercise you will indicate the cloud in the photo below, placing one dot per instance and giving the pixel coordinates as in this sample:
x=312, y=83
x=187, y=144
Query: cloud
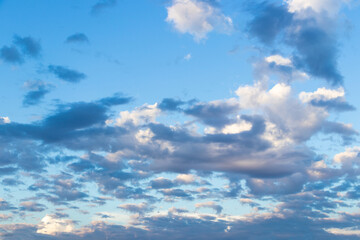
x=77, y=38
x=51, y=225
x=331, y=7
x=66, y=74
x=101, y=5
x=11, y=55
x=315, y=45
x=136, y=208
x=214, y=113
x=331, y=99
x=170, y=104
x=4, y=120
x=197, y=18
x=269, y=21
x=28, y=45
x=11, y=182
x=32, y=207
x=5, y=205
x=38, y=90
x=211, y=205
x=187, y=57
x=161, y=183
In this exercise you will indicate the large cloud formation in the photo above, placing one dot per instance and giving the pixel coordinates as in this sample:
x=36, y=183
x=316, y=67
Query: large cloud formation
x=253, y=151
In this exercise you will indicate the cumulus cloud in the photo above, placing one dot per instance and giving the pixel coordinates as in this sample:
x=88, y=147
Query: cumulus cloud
x=197, y=18
x=51, y=225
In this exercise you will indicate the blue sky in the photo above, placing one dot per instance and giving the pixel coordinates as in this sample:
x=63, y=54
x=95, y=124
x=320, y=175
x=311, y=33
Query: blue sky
x=195, y=119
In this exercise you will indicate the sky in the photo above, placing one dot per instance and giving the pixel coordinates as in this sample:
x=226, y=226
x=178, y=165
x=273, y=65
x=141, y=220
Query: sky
x=179, y=119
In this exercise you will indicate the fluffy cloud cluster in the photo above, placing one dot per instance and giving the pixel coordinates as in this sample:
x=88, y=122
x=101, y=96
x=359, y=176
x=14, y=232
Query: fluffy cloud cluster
x=197, y=18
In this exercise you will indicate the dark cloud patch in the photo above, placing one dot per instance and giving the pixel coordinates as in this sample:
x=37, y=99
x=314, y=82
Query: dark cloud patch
x=170, y=104
x=81, y=166
x=76, y=116
x=28, y=45
x=161, y=183
x=7, y=170
x=5, y=205
x=177, y=193
x=77, y=38
x=66, y=74
x=337, y=104
x=347, y=133
x=11, y=182
x=213, y=113
x=60, y=189
x=141, y=208
x=316, y=48
x=35, y=96
x=11, y=55
x=37, y=91
x=32, y=207
x=117, y=99
x=101, y=5
x=318, y=51
x=270, y=19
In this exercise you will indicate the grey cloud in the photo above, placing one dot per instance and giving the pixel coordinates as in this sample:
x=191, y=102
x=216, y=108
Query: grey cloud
x=137, y=208
x=32, y=207
x=38, y=90
x=101, y=5
x=213, y=114
x=161, y=183
x=170, y=104
x=5, y=205
x=316, y=49
x=270, y=19
x=337, y=104
x=28, y=45
x=11, y=182
x=77, y=38
x=318, y=52
x=66, y=74
x=11, y=55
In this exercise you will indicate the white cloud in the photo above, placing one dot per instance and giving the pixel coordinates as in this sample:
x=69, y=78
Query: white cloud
x=329, y=6
x=51, y=225
x=186, y=178
x=348, y=157
x=197, y=18
x=322, y=94
x=187, y=57
x=4, y=120
x=287, y=119
x=344, y=231
x=144, y=114
x=279, y=60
